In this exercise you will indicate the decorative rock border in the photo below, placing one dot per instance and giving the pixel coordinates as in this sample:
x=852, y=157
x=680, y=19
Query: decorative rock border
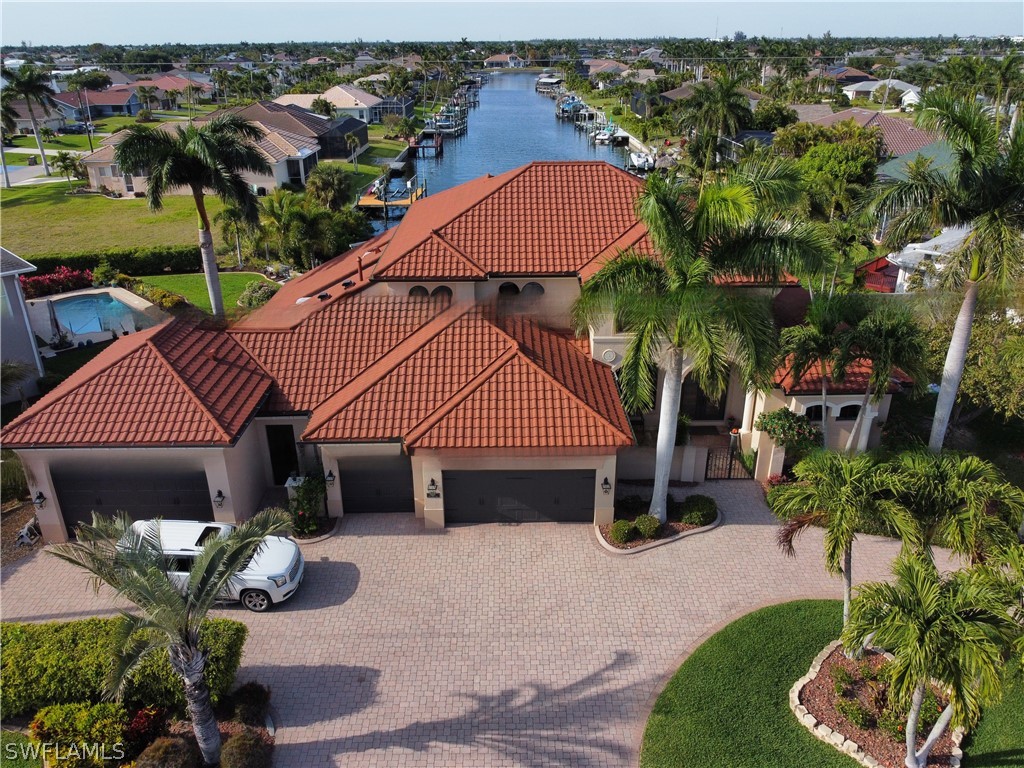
x=834, y=738
x=660, y=542
x=324, y=537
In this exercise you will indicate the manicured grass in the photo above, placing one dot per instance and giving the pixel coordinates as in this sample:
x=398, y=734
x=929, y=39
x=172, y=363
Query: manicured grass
x=65, y=363
x=364, y=177
x=13, y=746
x=44, y=219
x=999, y=738
x=193, y=287
x=72, y=141
x=19, y=158
x=728, y=705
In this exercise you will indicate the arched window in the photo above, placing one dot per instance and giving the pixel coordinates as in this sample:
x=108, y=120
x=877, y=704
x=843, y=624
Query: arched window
x=442, y=292
x=508, y=290
x=532, y=291
x=418, y=292
x=813, y=412
x=848, y=413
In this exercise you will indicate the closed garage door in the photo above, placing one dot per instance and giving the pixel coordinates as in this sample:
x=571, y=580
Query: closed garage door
x=376, y=484
x=143, y=494
x=519, y=496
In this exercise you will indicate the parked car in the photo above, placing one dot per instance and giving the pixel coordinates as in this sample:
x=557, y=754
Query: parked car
x=74, y=128
x=271, y=577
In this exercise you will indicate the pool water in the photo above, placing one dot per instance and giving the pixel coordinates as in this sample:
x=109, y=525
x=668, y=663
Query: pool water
x=96, y=313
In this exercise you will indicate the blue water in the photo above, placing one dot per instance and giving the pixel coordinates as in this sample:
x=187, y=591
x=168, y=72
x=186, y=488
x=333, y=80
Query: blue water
x=94, y=313
x=513, y=126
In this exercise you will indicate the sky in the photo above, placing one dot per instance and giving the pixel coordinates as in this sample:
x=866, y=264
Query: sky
x=139, y=22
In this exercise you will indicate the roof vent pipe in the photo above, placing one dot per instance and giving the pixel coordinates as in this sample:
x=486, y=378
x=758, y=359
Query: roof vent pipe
x=359, y=263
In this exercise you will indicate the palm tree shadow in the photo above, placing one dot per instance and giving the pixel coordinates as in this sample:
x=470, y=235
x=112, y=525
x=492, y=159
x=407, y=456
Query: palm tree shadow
x=533, y=725
x=1005, y=757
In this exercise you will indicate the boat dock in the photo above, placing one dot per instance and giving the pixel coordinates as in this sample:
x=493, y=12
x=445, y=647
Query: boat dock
x=381, y=198
x=428, y=142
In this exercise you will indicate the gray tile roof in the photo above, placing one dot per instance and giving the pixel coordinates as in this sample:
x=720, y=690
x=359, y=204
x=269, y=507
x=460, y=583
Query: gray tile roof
x=13, y=265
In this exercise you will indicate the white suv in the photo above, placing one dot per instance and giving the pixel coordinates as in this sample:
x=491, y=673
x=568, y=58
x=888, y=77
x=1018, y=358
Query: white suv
x=272, y=575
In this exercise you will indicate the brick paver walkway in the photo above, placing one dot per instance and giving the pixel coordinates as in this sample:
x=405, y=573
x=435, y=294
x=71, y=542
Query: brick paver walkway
x=487, y=645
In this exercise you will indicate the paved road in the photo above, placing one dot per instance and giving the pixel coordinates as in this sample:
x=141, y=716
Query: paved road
x=487, y=645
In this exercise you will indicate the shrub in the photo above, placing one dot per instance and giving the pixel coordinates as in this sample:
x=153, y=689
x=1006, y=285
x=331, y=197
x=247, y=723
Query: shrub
x=12, y=477
x=621, y=532
x=82, y=734
x=169, y=752
x=893, y=722
x=307, y=506
x=18, y=751
x=616, y=111
x=647, y=526
x=841, y=678
x=245, y=750
x=697, y=510
x=165, y=300
x=144, y=115
x=104, y=274
x=855, y=712
x=257, y=293
x=63, y=662
x=792, y=431
x=251, y=703
x=131, y=261
x=145, y=726
x=631, y=506
x=61, y=280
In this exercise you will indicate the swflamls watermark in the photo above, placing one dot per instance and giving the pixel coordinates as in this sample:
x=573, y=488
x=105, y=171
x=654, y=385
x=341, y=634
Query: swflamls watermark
x=53, y=752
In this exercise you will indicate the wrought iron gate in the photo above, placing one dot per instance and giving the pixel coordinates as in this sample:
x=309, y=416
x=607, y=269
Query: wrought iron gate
x=725, y=464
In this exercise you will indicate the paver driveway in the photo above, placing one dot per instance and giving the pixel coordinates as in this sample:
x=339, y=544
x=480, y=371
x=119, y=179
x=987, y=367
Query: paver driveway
x=487, y=645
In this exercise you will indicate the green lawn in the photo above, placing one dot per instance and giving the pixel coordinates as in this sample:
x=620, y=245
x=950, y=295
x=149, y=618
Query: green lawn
x=364, y=177
x=19, y=158
x=72, y=141
x=15, y=751
x=728, y=705
x=193, y=287
x=43, y=219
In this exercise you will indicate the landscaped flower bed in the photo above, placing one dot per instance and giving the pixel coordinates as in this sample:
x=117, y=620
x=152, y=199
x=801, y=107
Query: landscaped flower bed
x=850, y=696
x=633, y=527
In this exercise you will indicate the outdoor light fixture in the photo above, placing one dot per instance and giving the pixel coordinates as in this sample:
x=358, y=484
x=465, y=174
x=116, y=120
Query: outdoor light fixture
x=39, y=500
x=606, y=486
x=219, y=499
x=432, y=485
x=330, y=478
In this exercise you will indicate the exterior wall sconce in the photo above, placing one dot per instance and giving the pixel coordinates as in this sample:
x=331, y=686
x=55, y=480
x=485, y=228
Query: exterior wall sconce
x=219, y=499
x=606, y=486
x=39, y=500
x=329, y=479
x=432, y=491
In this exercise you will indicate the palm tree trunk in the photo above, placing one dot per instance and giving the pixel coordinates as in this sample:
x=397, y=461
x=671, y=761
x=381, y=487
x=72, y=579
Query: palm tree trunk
x=668, y=421
x=238, y=247
x=912, y=718
x=934, y=735
x=953, y=370
x=208, y=257
x=851, y=441
x=847, y=582
x=824, y=408
x=190, y=666
x=39, y=140
x=3, y=162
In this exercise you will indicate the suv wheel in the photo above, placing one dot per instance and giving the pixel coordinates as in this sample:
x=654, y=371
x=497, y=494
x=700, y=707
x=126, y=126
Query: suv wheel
x=256, y=600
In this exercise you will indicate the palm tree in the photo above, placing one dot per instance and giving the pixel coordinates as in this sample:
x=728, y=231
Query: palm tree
x=674, y=303
x=8, y=124
x=132, y=563
x=213, y=157
x=1006, y=81
x=983, y=193
x=275, y=216
x=329, y=185
x=172, y=96
x=147, y=94
x=353, y=144
x=233, y=223
x=818, y=341
x=311, y=232
x=960, y=501
x=322, y=106
x=955, y=630
x=33, y=85
x=717, y=108
x=92, y=81
x=11, y=373
x=221, y=80
x=839, y=493
x=68, y=165
x=890, y=340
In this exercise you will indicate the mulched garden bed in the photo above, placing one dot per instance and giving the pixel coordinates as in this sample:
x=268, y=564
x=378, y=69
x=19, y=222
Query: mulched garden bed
x=668, y=530
x=227, y=728
x=867, y=688
x=15, y=515
x=324, y=525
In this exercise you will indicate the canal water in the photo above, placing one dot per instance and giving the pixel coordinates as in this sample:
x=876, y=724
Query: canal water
x=513, y=126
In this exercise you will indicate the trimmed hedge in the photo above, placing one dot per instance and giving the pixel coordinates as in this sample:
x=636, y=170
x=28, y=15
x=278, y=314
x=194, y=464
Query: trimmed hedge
x=130, y=261
x=67, y=662
x=696, y=510
x=85, y=734
x=169, y=752
x=245, y=750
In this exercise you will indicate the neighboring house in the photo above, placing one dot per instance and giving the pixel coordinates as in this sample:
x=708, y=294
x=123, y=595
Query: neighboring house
x=867, y=88
x=317, y=60
x=329, y=133
x=900, y=136
x=596, y=67
x=504, y=61
x=926, y=259
x=909, y=100
x=808, y=113
x=639, y=76
x=17, y=341
x=410, y=63
x=55, y=120
x=119, y=100
x=685, y=91
x=291, y=157
x=730, y=148
x=430, y=371
x=836, y=78
x=348, y=101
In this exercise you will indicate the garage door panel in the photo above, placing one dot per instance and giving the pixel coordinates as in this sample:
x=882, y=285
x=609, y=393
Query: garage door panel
x=376, y=484
x=143, y=494
x=519, y=496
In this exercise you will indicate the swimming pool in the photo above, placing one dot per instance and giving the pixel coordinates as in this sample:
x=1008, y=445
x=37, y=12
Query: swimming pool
x=97, y=313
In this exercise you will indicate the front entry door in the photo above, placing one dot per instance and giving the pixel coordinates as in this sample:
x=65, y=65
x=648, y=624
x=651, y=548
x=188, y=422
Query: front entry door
x=284, y=459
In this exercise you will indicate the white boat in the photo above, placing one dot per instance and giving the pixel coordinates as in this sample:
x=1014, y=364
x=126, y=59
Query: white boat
x=642, y=161
x=603, y=137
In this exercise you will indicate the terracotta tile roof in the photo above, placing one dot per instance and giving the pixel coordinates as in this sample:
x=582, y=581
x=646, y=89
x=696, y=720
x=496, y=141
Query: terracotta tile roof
x=175, y=384
x=855, y=381
x=901, y=136
x=113, y=96
x=546, y=218
x=467, y=380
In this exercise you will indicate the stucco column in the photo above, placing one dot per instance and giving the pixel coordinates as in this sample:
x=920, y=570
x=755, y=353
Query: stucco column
x=747, y=424
x=770, y=458
x=428, y=488
x=604, y=502
x=50, y=516
x=335, y=507
x=219, y=479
